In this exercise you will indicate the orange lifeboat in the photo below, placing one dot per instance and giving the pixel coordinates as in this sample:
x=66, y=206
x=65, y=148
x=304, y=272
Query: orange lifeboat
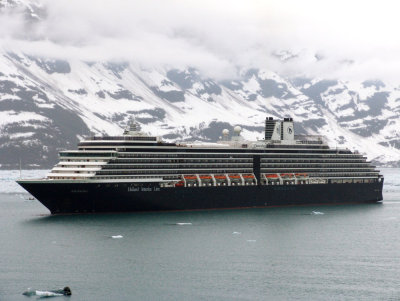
x=248, y=176
x=234, y=176
x=272, y=176
x=190, y=177
x=179, y=184
x=205, y=177
x=219, y=177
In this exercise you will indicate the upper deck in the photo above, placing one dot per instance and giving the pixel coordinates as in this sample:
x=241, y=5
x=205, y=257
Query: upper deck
x=135, y=155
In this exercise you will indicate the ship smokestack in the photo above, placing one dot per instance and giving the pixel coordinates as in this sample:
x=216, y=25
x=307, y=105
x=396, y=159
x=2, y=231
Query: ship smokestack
x=287, y=129
x=278, y=129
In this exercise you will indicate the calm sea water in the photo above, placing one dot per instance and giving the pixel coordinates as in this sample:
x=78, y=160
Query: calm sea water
x=347, y=253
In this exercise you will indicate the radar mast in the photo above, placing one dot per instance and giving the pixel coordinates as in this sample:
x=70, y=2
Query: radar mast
x=133, y=128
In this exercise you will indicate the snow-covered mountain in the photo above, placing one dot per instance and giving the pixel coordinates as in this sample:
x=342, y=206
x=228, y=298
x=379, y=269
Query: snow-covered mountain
x=49, y=104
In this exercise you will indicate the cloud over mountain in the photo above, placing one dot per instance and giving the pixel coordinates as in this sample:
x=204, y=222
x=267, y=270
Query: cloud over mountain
x=354, y=40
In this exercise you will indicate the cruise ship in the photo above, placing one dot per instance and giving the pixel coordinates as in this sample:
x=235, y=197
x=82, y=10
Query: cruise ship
x=138, y=172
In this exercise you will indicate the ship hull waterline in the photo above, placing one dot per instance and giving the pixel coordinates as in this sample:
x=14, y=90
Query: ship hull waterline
x=61, y=198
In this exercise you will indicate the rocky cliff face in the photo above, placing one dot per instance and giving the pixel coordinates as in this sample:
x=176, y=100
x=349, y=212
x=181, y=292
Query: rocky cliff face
x=49, y=104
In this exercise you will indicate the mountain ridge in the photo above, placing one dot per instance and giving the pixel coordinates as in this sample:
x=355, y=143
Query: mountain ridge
x=48, y=104
x=51, y=104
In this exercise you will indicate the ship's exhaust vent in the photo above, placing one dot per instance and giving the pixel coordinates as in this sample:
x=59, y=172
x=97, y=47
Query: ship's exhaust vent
x=279, y=129
x=269, y=127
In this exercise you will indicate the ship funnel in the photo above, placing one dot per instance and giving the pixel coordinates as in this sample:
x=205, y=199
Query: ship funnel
x=288, y=129
x=279, y=129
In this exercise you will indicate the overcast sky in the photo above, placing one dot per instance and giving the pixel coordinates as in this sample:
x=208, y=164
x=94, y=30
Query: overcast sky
x=346, y=39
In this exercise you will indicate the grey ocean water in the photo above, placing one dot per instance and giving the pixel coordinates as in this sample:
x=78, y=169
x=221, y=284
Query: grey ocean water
x=348, y=253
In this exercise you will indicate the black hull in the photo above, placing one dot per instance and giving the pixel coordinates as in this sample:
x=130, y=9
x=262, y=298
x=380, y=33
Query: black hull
x=122, y=197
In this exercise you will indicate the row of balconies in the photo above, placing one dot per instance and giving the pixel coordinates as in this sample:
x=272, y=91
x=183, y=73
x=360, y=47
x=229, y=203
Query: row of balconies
x=314, y=165
x=182, y=160
x=178, y=166
x=239, y=160
x=273, y=167
x=181, y=155
x=173, y=171
x=311, y=173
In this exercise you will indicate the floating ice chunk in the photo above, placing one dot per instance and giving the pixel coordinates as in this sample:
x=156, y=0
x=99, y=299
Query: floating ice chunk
x=66, y=291
x=317, y=213
x=236, y=233
x=116, y=236
x=47, y=294
x=42, y=294
x=183, y=224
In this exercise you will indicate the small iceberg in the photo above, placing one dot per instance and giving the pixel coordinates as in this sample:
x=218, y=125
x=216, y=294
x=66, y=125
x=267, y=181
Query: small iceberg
x=47, y=294
x=116, y=236
x=183, y=224
x=236, y=233
x=66, y=291
x=317, y=213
